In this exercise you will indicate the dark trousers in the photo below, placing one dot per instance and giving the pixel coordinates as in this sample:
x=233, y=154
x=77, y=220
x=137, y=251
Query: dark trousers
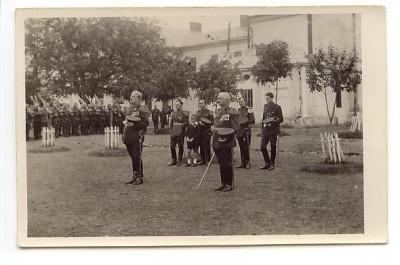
x=224, y=156
x=135, y=152
x=155, y=122
x=173, y=141
x=244, y=144
x=205, y=147
x=264, y=142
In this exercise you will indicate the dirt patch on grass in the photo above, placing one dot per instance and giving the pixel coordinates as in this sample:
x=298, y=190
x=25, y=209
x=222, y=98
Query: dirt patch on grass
x=350, y=135
x=48, y=149
x=331, y=168
x=109, y=152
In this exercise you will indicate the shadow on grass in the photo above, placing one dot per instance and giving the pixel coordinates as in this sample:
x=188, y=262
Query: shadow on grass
x=48, y=149
x=109, y=152
x=328, y=168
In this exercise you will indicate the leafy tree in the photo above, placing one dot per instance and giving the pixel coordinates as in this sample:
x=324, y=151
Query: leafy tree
x=93, y=56
x=273, y=63
x=175, y=77
x=334, y=71
x=214, y=77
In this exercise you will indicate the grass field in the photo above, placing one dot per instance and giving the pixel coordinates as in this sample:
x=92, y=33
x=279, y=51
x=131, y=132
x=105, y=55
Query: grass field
x=72, y=194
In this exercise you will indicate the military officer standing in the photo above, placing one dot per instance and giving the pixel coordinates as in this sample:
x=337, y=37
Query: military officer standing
x=136, y=122
x=272, y=118
x=246, y=117
x=163, y=118
x=55, y=121
x=178, y=123
x=205, y=118
x=223, y=141
x=155, y=116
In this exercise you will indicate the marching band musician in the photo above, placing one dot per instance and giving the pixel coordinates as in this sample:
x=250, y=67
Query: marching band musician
x=136, y=122
x=179, y=121
x=272, y=118
x=246, y=117
x=223, y=140
x=205, y=118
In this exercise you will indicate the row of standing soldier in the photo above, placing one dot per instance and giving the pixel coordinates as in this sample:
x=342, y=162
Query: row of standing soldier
x=87, y=120
x=228, y=122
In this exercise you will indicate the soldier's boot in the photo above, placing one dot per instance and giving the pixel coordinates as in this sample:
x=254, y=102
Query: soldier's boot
x=172, y=163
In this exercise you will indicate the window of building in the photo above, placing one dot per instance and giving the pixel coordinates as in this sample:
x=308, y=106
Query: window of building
x=339, y=99
x=248, y=97
x=214, y=57
x=237, y=54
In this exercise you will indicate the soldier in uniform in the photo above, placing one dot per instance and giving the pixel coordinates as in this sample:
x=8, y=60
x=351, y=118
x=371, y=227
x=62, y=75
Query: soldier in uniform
x=68, y=118
x=55, y=121
x=76, y=120
x=137, y=120
x=246, y=117
x=155, y=116
x=117, y=117
x=85, y=121
x=272, y=118
x=29, y=119
x=205, y=118
x=93, y=120
x=44, y=116
x=163, y=118
x=63, y=122
x=178, y=123
x=37, y=123
x=223, y=141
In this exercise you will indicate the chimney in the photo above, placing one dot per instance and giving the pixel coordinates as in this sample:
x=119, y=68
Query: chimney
x=195, y=26
x=244, y=21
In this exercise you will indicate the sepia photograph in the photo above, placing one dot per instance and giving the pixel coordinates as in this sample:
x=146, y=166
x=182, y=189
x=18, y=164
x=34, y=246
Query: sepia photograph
x=200, y=126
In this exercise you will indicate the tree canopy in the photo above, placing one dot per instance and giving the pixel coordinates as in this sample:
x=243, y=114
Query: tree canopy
x=97, y=55
x=333, y=70
x=273, y=63
x=214, y=77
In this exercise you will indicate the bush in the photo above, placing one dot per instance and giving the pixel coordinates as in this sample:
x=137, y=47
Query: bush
x=331, y=168
x=350, y=135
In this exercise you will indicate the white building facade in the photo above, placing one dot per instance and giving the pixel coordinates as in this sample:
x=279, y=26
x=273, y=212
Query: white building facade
x=303, y=33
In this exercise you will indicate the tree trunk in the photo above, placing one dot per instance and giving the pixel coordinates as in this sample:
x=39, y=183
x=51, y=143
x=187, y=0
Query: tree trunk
x=276, y=91
x=355, y=107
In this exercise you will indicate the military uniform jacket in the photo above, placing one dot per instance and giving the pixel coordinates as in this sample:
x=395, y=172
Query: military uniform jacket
x=179, y=116
x=205, y=113
x=155, y=114
x=133, y=132
x=225, y=118
x=272, y=110
x=245, y=112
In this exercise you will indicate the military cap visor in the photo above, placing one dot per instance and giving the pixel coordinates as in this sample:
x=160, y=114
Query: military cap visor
x=133, y=118
x=225, y=131
x=205, y=120
x=243, y=120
